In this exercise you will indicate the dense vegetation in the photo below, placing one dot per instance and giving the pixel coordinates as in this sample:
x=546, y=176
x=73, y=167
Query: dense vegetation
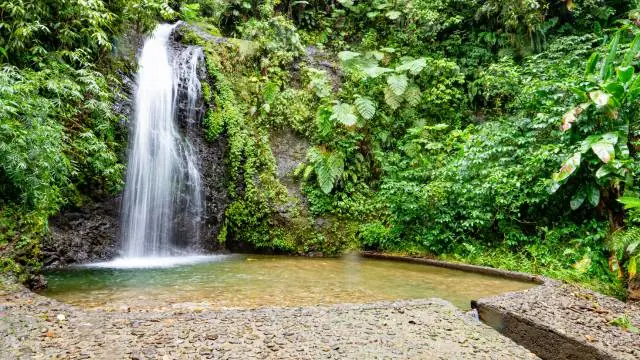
x=501, y=133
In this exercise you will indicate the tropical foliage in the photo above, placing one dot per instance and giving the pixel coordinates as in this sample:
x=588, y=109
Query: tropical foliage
x=500, y=133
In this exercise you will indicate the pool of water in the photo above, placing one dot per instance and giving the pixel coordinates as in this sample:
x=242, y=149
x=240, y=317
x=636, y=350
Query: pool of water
x=250, y=281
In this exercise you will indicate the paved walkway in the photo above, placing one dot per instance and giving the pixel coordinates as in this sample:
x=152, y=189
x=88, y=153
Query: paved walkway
x=33, y=326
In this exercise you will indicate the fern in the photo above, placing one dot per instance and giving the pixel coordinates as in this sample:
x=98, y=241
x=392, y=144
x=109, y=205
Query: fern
x=398, y=83
x=391, y=98
x=413, y=66
x=365, y=107
x=343, y=113
x=413, y=95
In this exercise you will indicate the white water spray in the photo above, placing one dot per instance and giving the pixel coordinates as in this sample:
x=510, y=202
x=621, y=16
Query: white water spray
x=163, y=203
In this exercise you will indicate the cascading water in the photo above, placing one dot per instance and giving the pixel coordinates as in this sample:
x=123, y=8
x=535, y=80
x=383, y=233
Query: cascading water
x=163, y=203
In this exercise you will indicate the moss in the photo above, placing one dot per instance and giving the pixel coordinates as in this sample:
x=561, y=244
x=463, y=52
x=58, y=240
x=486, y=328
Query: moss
x=256, y=219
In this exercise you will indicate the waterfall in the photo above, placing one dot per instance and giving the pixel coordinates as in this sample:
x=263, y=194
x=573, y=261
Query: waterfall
x=163, y=201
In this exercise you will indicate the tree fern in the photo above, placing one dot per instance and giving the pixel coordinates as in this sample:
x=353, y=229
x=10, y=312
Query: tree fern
x=365, y=107
x=343, y=113
x=398, y=83
x=413, y=66
x=391, y=99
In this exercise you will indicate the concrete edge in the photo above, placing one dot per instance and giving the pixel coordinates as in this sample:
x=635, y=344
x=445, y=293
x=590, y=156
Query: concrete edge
x=542, y=340
x=514, y=275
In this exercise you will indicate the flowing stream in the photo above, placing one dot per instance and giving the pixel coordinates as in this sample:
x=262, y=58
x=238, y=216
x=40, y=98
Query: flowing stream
x=163, y=203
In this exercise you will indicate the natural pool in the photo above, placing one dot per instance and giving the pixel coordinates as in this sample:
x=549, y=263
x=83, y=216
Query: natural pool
x=249, y=281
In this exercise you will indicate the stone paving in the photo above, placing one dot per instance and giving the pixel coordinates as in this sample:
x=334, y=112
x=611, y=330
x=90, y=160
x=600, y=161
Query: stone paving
x=35, y=327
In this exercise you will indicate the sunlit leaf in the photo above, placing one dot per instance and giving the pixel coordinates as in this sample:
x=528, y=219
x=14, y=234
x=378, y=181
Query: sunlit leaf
x=365, y=107
x=600, y=98
x=413, y=66
x=625, y=73
x=604, y=150
x=393, y=15
x=398, y=83
x=343, y=113
x=391, y=98
x=345, y=56
x=568, y=168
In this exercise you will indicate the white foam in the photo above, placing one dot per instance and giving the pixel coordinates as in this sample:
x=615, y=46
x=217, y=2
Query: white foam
x=155, y=262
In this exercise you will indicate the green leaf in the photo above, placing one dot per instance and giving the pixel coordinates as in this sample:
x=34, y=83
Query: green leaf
x=603, y=171
x=413, y=66
x=393, y=15
x=611, y=137
x=343, y=113
x=345, y=56
x=413, y=95
x=568, y=168
x=398, y=83
x=593, y=194
x=591, y=63
x=335, y=163
x=615, y=89
x=600, y=98
x=307, y=172
x=391, y=98
x=625, y=73
x=325, y=179
x=375, y=71
x=365, y=107
x=346, y=3
x=632, y=267
x=630, y=202
x=583, y=265
x=604, y=150
x=577, y=200
x=607, y=66
x=632, y=52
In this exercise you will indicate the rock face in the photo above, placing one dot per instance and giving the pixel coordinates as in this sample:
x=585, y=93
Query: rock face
x=83, y=235
x=211, y=156
x=92, y=233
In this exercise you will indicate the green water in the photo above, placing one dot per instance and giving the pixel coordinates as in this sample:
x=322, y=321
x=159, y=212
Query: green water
x=249, y=281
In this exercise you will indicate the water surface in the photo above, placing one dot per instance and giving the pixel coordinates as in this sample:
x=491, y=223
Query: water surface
x=249, y=281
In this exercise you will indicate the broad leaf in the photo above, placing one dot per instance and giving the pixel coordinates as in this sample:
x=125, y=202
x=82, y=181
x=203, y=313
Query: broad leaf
x=600, y=98
x=413, y=66
x=630, y=202
x=343, y=113
x=607, y=66
x=413, y=95
x=625, y=73
x=591, y=63
x=335, y=163
x=398, y=83
x=604, y=150
x=393, y=15
x=568, y=168
x=325, y=179
x=593, y=194
x=365, y=107
x=632, y=267
x=577, y=200
x=345, y=56
x=632, y=53
x=391, y=98
x=603, y=171
x=615, y=89
x=375, y=71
